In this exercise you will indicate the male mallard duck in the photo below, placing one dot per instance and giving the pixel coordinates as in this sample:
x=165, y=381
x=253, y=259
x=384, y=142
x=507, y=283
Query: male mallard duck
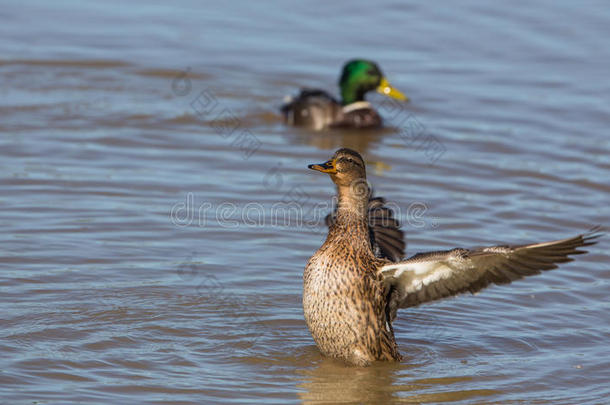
x=350, y=296
x=317, y=109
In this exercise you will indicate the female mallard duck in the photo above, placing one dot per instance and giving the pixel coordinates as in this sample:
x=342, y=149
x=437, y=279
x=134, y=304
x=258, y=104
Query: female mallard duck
x=350, y=296
x=318, y=110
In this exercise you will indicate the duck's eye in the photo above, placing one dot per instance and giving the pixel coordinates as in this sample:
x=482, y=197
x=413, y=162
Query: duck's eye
x=351, y=160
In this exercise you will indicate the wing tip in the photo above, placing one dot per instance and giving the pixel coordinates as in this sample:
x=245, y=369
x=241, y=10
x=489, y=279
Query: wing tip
x=592, y=236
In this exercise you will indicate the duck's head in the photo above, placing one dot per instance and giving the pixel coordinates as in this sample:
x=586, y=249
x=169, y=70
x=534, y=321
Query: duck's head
x=361, y=76
x=346, y=169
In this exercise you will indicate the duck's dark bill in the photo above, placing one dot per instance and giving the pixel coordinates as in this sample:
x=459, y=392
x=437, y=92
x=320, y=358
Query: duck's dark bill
x=326, y=167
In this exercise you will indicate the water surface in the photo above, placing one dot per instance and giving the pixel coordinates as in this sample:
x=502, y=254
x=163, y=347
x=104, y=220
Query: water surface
x=143, y=258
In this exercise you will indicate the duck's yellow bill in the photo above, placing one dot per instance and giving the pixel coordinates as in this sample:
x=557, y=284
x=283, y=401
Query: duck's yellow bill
x=386, y=89
x=326, y=167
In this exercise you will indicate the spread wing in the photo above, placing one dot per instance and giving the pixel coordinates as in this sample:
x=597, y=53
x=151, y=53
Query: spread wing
x=387, y=240
x=431, y=276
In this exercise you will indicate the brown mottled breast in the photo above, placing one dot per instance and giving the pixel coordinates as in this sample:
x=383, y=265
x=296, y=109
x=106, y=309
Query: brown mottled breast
x=344, y=298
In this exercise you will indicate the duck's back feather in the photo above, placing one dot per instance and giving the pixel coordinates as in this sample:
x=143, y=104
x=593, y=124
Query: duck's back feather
x=313, y=109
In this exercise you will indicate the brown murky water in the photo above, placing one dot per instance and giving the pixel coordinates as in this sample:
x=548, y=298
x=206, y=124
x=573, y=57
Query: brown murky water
x=145, y=254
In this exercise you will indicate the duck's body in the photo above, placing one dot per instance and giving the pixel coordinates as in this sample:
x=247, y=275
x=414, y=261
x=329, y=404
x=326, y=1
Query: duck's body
x=351, y=295
x=349, y=320
x=317, y=109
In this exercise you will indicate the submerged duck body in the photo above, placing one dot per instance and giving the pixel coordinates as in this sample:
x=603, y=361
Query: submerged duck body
x=351, y=295
x=317, y=109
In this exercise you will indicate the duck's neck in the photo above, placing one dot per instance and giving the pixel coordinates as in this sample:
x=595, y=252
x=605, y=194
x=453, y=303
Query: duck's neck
x=353, y=200
x=351, y=220
x=350, y=93
x=351, y=223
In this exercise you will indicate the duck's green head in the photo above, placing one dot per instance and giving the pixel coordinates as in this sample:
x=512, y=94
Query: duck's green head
x=361, y=76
